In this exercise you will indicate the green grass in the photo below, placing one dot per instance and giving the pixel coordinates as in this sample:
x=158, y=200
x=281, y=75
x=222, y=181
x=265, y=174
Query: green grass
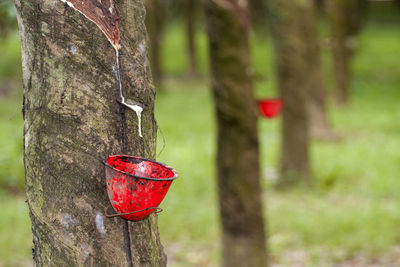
x=354, y=207
x=15, y=232
x=11, y=174
x=353, y=210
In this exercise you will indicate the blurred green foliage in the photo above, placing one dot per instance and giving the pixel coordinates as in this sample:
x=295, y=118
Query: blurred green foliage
x=11, y=162
x=353, y=209
x=7, y=18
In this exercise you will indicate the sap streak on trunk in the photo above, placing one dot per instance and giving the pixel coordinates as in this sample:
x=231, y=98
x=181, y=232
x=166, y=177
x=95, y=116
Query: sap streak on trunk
x=72, y=121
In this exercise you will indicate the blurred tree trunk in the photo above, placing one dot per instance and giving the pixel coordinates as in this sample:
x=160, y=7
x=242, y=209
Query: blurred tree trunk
x=319, y=125
x=190, y=18
x=72, y=122
x=289, y=30
x=155, y=26
x=240, y=195
x=7, y=22
x=346, y=18
x=319, y=3
x=258, y=13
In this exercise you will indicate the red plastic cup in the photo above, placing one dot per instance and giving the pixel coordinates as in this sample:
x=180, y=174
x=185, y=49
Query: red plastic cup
x=136, y=186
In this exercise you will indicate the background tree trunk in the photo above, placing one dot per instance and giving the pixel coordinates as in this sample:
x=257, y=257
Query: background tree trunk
x=190, y=18
x=238, y=156
x=155, y=25
x=319, y=125
x=72, y=122
x=319, y=4
x=6, y=20
x=258, y=13
x=288, y=27
x=346, y=18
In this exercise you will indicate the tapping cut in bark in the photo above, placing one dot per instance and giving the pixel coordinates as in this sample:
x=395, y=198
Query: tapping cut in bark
x=103, y=14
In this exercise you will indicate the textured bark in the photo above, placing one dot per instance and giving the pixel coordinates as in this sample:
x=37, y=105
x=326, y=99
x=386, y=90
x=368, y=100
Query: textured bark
x=346, y=18
x=289, y=28
x=154, y=24
x=238, y=152
x=190, y=15
x=72, y=122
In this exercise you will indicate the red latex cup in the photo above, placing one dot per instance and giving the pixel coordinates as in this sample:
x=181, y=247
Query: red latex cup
x=136, y=186
x=270, y=108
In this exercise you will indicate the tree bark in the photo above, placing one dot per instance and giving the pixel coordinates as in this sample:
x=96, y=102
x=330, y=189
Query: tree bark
x=258, y=14
x=190, y=15
x=155, y=25
x=319, y=4
x=346, y=18
x=6, y=21
x=72, y=122
x=240, y=195
x=319, y=124
x=288, y=27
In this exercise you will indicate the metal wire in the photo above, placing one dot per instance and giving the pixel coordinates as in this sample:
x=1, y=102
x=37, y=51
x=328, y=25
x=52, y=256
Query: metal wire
x=157, y=210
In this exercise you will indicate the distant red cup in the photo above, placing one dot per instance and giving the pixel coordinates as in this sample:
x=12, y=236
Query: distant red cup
x=270, y=108
x=136, y=186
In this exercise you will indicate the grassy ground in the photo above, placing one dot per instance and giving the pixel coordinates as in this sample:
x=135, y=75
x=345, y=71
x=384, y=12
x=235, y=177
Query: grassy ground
x=350, y=216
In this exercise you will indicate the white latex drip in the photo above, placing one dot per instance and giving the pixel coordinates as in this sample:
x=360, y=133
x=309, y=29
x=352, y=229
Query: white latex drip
x=138, y=109
x=119, y=76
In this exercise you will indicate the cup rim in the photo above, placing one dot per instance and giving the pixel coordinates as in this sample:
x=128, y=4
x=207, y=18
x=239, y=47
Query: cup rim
x=142, y=177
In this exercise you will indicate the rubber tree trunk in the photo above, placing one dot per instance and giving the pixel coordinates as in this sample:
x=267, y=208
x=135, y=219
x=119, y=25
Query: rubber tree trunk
x=240, y=195
x=288, y=28
x=190, y=16
x=319, y=124
x=346, y=18
x=319, y=4
x=258, y=14
x=6, y=21
x=155, y=26
x=73, y=121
